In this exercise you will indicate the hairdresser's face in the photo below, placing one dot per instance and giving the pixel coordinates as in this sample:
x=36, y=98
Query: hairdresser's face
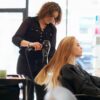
x=77, y=50
x=51, y=18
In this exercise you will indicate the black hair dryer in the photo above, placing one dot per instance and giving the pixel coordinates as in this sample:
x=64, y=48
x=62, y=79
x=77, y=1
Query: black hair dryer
x=46, y=50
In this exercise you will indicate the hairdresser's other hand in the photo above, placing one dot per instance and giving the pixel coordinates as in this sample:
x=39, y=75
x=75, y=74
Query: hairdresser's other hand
x=36, y=45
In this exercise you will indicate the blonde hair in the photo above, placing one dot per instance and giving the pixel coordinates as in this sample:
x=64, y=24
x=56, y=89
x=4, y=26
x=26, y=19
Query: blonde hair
x=62, y=56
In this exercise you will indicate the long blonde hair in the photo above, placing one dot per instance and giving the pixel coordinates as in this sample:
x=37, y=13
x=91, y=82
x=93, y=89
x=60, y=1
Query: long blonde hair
x=62, y=56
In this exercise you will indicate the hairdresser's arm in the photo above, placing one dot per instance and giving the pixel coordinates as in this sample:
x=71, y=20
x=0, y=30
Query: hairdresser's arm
x=18, y=38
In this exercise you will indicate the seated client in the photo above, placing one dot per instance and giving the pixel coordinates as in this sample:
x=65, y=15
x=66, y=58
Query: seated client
x=62, y=70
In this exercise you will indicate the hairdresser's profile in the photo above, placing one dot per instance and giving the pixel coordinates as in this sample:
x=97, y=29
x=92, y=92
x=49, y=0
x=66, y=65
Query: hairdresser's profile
x=31, y=34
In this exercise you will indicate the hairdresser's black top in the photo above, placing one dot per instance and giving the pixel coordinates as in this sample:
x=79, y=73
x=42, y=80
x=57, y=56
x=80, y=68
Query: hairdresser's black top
x=79, y=81
x=30, y=30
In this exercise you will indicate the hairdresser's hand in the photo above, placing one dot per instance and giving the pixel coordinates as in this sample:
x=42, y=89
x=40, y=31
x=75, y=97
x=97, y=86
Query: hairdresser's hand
x=36, y=45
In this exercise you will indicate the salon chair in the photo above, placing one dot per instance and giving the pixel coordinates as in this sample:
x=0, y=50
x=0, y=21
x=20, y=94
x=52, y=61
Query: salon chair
x=87, y=97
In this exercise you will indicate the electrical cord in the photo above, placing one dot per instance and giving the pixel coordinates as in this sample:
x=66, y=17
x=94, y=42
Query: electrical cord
x=27, y=50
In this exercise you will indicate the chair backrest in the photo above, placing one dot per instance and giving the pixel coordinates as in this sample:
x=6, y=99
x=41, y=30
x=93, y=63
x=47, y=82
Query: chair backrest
x=59, y=93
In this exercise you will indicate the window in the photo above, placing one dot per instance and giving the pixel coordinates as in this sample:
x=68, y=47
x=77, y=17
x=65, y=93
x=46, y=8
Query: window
x=84, y=23
x=11, y=16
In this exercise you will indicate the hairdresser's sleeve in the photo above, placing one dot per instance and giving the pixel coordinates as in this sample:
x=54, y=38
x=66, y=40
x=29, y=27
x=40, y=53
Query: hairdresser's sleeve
x=21, y=32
